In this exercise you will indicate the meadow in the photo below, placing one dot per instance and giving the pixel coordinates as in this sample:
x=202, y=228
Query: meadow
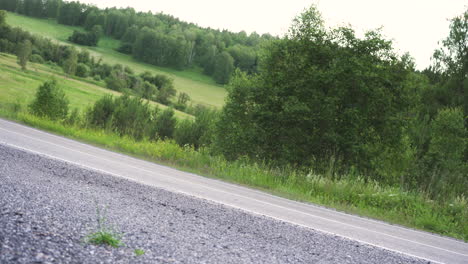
x=19, y=87
x=201, y=88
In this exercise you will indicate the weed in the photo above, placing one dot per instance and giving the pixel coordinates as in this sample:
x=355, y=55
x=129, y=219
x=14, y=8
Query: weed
x=105, y=235
x=139, y=252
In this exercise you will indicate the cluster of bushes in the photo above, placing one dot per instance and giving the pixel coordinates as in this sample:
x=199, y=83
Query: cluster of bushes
x=127, y=116
x=89, y=38
x=130, y=116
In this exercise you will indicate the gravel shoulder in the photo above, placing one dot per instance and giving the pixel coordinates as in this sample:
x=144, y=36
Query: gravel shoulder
x=48, y=207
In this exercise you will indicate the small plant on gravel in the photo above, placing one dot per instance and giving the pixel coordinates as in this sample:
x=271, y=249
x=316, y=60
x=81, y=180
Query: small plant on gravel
x=139, y=252
x=105, y=235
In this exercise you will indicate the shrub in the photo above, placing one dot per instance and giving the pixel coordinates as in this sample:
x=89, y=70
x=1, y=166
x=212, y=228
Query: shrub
x=50, y=102
x=101, y=112
x=164, y=125
x=116, y=81
x=74, y=117
x=36, y=58
x=82, y=70
x=131, y=117
x=183, y=133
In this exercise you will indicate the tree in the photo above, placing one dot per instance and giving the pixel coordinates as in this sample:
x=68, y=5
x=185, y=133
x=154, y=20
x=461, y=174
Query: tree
x=70, y=64
x=319, y=94
x=224, y=66
x=51, y=8
x=24, y=51
x=451, y=62
x=50, y=102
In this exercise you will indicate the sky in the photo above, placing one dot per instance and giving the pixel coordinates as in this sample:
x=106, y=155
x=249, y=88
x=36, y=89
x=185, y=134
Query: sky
x=415, y=26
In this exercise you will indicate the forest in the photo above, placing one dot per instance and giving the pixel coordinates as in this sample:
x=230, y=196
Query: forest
x=157, y=39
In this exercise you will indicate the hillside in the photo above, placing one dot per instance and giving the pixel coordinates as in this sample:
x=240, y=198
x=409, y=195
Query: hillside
x=19, y=87
x=201, y=89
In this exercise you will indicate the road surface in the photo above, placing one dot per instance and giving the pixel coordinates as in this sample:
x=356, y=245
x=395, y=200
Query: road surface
x=410, y=242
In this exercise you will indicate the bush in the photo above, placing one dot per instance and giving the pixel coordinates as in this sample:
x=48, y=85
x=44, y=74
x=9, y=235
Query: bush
x=183, y=134
x=165, y=124
x=85, y=38
x=36, y=58
x=131, y=117
x=74, y=117
x=116, y=82
x=82, y=70
x=100, y=114
x=50, y=102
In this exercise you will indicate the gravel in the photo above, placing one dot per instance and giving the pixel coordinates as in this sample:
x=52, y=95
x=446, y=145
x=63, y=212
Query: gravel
x=49, y=207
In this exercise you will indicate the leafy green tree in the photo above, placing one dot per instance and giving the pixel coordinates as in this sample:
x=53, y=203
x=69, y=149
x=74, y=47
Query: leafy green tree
x=9, y=5
x=224, y=67
x=451, y=63
x=319, y=94
x=70, y=64
x=245, y=58
x=24, y=51
x=50, y=102
x=52, y=8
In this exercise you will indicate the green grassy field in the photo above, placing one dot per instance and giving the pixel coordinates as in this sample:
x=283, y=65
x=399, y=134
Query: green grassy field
x=19, y=87
x=201, y=88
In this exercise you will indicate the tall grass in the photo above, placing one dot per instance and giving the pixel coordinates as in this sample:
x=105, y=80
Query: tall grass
x=349, y=193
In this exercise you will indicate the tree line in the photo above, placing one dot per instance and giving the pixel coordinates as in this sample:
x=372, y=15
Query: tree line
x=157, y=39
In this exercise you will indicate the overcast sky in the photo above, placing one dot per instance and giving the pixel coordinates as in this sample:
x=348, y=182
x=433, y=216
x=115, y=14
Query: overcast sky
x=415, y=26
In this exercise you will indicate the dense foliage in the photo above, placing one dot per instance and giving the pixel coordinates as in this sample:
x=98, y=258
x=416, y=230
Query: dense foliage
x=325, y=99
x=319, y=94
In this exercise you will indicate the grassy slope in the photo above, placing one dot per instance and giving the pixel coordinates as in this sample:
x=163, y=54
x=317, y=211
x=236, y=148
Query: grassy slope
x=201, y=89
x=17, y=86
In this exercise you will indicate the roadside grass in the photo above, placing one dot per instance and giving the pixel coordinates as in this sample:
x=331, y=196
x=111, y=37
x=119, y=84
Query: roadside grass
x=347, y=193
x=17, y=86
x=201, y=88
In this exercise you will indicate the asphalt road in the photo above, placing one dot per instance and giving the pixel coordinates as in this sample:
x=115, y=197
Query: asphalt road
x=385, y=236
